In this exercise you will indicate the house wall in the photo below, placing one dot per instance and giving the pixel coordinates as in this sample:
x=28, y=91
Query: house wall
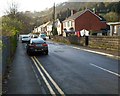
x=49, y=29
x=39, y=29
x=114, y=30
x=68, y=24
x=89, y=22
x=59, y=28
x=119, y=30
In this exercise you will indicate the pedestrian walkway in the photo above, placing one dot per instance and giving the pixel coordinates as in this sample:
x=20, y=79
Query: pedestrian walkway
x=22, y=78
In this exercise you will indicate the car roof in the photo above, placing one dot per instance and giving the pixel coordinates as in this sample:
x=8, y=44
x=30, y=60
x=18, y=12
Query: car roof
x=37, y=39
x=25, y=35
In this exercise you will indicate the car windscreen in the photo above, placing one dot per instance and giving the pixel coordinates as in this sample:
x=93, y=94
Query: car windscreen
x=43, y=35
x=37, y=41
x=25, y=37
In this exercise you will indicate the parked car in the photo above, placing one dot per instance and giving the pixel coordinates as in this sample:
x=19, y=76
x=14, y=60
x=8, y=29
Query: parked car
x=25, y=38
x=43, y=36
x=34, y=36
x=37, y=45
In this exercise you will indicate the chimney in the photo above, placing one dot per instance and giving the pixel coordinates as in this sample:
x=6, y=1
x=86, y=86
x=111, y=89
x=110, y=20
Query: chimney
x=95, y=11
x=73, y=12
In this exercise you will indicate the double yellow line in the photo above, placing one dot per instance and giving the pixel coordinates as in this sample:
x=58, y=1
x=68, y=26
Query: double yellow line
x=36, y=62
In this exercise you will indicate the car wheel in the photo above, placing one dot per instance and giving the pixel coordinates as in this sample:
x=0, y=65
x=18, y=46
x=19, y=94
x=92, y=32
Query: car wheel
x=28, y=52
x=46, y=52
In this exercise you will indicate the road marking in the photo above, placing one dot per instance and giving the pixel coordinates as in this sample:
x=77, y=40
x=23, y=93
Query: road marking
x=76, y=48
x=50, y=78
x=36, y=76
x=101, y=53
x=45, y=80
x=105, y=70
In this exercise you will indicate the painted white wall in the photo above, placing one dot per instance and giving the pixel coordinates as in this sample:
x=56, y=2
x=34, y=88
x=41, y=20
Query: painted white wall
x=68, y=25
x=59, y=27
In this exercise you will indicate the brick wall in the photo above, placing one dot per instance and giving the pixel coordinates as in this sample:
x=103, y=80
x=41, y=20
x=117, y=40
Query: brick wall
x=101, y=42
x=89, y=21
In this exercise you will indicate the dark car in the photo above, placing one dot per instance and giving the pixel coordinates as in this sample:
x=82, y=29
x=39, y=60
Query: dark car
x=37, y=45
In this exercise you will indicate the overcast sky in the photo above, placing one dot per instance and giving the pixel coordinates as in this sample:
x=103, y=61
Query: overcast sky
x=28, y=5
x=38, y=5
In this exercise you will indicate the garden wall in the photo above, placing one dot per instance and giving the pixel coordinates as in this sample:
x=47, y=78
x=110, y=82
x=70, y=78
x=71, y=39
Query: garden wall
x=101, y=42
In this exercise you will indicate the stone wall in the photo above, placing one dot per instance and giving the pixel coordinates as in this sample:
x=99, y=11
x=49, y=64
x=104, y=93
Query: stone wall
x=105, y=42
x=101, y=42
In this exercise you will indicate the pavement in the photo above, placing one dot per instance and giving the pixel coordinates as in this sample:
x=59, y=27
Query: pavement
x=21, y=79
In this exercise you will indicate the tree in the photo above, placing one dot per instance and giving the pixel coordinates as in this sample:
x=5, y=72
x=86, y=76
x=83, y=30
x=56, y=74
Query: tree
x=10, y=26
x=111, y=17
x=11, y=23
x=27, y=22
x=13, y=10
x=116, y=7
x=54, y=31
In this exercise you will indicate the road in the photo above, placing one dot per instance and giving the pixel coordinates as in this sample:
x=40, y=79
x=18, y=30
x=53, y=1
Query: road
x=67, y=70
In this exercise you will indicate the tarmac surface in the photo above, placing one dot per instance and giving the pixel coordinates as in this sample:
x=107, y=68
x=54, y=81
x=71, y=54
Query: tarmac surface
x=21, y=76
x=23, y=80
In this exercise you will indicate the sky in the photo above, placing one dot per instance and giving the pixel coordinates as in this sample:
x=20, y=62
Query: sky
x=36, y=5
x=28, y=5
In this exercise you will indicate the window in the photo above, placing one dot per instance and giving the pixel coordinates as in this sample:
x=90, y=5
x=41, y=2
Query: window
x=71, y=23
x=64, y=24
x=68, y=23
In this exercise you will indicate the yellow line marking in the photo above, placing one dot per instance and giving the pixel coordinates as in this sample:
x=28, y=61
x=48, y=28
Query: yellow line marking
x=50, y=78
x=45, y=80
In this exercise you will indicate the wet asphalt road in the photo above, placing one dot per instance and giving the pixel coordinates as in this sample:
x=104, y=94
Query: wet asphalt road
x=75, y=71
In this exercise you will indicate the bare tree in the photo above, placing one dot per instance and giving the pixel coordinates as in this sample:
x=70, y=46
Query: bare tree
x=12, y=9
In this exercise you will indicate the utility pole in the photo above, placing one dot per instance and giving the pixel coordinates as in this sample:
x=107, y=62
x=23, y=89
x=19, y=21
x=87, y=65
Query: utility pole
x=53, y=25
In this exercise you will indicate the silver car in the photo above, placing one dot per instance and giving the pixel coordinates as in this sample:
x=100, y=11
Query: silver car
x=25, y=38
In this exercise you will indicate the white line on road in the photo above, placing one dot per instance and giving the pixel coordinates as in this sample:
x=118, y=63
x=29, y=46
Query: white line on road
x=50, y=78
x=75, y=47
x=105, y=70
x=45, y=80
x=101, y=53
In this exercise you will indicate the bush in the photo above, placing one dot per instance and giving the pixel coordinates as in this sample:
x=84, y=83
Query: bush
x=111, y=17
x=10, y=26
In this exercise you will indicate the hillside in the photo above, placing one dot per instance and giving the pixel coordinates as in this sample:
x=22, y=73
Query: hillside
x=62, y=11
x=46, y=15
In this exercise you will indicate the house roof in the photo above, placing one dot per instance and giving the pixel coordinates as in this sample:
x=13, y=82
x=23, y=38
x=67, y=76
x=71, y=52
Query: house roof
x=44, y=25
x=76, y=15
x=113, y=23
x=50, y=23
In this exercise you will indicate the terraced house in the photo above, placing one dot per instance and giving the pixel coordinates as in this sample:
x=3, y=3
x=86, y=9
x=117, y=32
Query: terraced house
x=87, y=20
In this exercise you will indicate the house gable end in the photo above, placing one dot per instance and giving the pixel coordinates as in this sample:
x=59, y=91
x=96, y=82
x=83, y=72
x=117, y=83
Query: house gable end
x=88, y=10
